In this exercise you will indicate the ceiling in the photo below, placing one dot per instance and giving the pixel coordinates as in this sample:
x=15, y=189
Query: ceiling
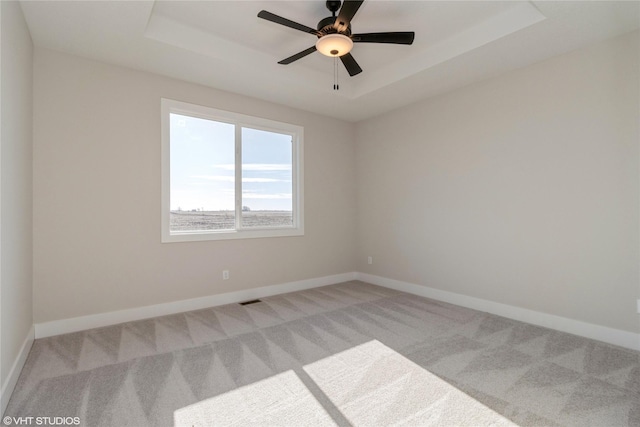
x=223, y=44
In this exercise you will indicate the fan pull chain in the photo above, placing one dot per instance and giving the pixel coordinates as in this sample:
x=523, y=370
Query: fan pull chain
x=336, y=85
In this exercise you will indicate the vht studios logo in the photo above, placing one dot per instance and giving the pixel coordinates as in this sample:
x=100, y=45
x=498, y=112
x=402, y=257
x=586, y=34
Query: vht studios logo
x=41, y=421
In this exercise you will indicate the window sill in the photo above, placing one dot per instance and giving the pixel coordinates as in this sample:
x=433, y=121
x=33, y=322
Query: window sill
x=198, y=236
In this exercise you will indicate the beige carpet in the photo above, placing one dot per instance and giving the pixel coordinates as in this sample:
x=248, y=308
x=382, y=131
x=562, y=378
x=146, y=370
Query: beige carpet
x=347, y=354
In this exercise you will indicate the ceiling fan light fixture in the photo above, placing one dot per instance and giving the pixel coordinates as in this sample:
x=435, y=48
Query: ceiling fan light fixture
x=334, y=45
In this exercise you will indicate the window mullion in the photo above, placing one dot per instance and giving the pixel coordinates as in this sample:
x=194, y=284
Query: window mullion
x=238, y=176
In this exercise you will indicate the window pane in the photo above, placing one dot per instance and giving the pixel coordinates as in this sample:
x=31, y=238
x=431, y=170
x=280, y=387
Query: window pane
x=202, y=174
x=267, y=179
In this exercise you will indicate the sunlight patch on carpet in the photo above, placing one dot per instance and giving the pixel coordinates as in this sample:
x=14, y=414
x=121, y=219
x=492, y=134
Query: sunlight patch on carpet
x=371, y=384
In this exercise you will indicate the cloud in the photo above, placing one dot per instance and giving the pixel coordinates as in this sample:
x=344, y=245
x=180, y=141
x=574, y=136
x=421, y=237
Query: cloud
x=266, y=196
x=263, y=180
x=225, y=178
x=225, y=166
x=222, y=178
x=256, y=166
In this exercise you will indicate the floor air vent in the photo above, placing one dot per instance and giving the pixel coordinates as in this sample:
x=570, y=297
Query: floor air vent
x=253, y=301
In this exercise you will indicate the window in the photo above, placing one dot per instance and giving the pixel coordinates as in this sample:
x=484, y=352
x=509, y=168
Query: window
x=228, y=176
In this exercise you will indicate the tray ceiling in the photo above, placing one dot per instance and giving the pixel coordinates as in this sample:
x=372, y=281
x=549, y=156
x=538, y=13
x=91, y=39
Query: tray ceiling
x=223, y=44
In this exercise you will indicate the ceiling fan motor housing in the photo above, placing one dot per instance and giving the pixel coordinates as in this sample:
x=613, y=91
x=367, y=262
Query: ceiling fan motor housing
x=325, y=26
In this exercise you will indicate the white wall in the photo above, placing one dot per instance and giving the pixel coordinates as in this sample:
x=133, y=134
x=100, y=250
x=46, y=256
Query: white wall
x=521, y=190
x=15, y=193
x=97, y=196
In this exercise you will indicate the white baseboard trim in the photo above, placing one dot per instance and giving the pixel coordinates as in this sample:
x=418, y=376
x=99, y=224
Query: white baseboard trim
x=601, y=333
x=81, y=323
x=16, y=368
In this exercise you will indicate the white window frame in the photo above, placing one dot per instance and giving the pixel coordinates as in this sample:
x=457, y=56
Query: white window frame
x=169, y=106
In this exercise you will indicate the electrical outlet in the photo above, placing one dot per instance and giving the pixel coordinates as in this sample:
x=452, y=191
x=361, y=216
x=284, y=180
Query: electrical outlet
x=225, y=274
x=370, y=260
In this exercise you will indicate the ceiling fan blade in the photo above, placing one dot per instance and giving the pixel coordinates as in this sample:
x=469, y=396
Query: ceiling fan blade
x=298, y=55
x=347, y=11
x=286, y=22
x=350, y=64
x=396, y=38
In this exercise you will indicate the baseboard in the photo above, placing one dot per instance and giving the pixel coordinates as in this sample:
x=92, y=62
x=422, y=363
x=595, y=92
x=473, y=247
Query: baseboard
x=81, y=323
x=601, y=333
x=16, y=368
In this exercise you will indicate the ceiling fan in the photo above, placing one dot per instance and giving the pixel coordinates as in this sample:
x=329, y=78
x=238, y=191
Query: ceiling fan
x=334, y=34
